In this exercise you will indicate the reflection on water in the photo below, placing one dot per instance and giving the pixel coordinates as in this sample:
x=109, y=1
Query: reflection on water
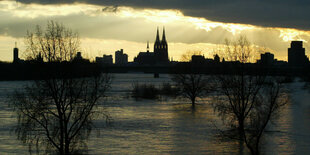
x=169, y=126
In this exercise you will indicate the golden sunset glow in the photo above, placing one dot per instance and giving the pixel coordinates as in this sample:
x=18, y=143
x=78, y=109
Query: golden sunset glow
x=154, y=77
x=293, y=34
x=184, y=33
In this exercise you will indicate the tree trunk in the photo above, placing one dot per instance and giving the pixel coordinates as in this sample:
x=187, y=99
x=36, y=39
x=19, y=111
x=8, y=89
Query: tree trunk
x=67, y=148
x=253, y=152
x=67, y=141
x=257, y=148
x=241, y=127
x=61, y=141
x=193, y=99
x=60, y=151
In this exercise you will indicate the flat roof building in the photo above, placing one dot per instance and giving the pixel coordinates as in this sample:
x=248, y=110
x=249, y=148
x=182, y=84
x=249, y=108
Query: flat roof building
x=296, y=55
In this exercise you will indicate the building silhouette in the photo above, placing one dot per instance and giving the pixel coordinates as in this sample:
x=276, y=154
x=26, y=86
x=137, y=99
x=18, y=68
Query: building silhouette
x=160, y=54
x=78, y=56
x=296, y=54
x=198, y=59
x=145, y=58
x=266, y=58
x=120, y=57
x=106, y=59
x=79, y=59
x=201, y=60
x=216, y=58
x=161, y=48
x=15, y=54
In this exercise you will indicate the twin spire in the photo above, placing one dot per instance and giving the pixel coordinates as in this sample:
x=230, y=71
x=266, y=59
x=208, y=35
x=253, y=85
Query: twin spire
x=159, y=43
x=164, y=36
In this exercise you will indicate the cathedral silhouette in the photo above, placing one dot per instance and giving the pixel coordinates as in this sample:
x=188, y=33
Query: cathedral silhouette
x=160, y=54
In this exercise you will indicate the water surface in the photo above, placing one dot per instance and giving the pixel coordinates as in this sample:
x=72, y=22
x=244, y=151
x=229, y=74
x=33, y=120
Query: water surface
x=169, y=126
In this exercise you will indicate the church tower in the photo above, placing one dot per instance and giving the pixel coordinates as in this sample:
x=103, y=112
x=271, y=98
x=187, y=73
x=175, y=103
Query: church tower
x=161, y=48
x=164, y=50
x=157, y=45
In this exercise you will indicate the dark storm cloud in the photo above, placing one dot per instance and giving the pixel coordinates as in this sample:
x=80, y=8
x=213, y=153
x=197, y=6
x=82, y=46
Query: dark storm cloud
x=271, y=13
x=138, y=30
x=110, y=9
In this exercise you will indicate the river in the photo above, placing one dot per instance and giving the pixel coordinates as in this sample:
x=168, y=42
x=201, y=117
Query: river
x=168, y=125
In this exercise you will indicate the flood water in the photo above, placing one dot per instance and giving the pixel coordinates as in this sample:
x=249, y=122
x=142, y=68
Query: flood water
x=168, y=125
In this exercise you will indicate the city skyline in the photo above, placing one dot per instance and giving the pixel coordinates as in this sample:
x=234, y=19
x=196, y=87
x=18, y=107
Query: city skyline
x=296, y=55
x=106, y=27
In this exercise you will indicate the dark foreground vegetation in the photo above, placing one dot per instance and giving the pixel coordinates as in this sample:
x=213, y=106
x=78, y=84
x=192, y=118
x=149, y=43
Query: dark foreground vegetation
x=56, y=110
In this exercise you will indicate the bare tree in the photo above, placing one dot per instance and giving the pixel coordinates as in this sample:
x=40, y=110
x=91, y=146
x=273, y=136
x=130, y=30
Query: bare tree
x=272, y=98
x=58, y=112
x=238, y=91
x=53, y=43
x=190, y=82
x=239, y=101
x=192, y=86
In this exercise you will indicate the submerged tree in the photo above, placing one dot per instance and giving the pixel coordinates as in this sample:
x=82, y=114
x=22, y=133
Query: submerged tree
x=271, y=99
x=237, y=91
x=190, y=82
x=240, y=94
x=192, y=86
x=57, y=110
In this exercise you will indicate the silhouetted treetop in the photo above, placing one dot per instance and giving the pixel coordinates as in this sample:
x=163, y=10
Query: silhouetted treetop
x=55, y=42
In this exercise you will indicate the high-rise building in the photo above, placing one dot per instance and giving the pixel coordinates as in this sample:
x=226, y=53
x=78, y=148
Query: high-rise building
x=125, y=58
x=296, y=54
x=120, y=57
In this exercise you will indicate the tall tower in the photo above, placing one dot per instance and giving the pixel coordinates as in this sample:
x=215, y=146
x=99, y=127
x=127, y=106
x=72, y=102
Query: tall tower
x=157, y=45
x=164, y=45
x=161, y=48
x=15, y=54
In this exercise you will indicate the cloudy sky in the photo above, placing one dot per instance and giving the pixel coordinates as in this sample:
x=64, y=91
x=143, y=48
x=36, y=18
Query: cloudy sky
x=108, y=25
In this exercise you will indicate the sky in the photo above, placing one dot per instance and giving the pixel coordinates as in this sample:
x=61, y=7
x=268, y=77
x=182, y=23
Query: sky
x=105, y=26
